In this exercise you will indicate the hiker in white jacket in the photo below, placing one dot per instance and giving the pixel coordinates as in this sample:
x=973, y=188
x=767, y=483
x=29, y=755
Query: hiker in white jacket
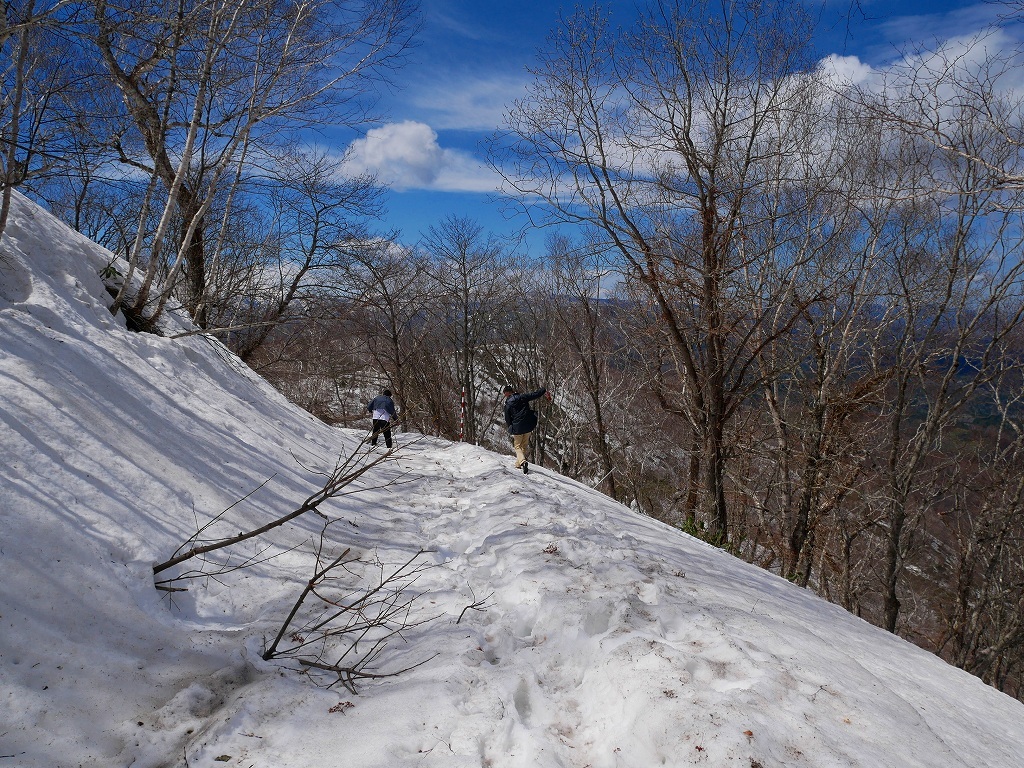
x=382, y=408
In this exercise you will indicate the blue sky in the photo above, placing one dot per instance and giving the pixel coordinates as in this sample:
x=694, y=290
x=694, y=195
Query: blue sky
x=472, y=58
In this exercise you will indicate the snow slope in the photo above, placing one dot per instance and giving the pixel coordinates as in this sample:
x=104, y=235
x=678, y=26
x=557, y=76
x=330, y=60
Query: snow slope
x=596, y=638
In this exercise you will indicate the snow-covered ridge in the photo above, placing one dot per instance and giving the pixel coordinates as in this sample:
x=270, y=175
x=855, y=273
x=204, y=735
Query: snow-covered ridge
x=598, y=637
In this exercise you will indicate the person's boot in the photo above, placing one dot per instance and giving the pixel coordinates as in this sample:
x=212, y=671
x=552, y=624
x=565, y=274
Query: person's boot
x=526, y=468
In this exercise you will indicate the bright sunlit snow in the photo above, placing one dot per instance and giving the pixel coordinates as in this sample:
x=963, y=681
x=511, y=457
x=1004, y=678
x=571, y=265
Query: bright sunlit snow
x=566, y=631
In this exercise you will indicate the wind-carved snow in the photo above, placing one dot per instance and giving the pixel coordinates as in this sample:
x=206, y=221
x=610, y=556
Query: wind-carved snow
x=567, y=631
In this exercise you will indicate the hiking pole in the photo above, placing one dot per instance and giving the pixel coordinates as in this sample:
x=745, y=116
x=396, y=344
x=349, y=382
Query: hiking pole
x=609, y=474
x=462, y=417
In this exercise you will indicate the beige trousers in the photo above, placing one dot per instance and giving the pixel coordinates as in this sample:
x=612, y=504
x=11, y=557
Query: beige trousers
x=522, y=445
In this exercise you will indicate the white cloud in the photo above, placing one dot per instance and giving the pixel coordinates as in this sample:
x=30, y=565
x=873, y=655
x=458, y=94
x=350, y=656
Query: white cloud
x=468, y=103
x=401, y=154
x=846, y=70
x=407, y=155
x=990, y=55
x=933, y=28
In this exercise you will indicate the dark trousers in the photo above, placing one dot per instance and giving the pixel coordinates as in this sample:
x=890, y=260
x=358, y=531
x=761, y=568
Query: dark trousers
x=381, y=427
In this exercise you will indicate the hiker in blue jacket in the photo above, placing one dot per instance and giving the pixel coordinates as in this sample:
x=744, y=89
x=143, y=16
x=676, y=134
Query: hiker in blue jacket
x=521, y=421
x=382, y=408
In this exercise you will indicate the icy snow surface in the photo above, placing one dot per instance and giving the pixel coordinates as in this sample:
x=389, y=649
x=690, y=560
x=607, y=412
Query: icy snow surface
x=597, y=638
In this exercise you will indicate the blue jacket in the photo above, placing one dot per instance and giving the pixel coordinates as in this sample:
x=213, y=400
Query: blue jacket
x=382, y=403
x=519, y=415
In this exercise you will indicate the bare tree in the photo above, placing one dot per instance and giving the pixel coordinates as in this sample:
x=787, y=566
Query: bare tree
x=317, y=359
x=952, y=276
x=207, y=85
x=575, y=291
x=35, y=76
x=390, y=287
x=312, y=212
x=339, y=627
x=347, y=469
x=476, y=287
x=811, y=426
x=666, y=141
x=979, y=535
